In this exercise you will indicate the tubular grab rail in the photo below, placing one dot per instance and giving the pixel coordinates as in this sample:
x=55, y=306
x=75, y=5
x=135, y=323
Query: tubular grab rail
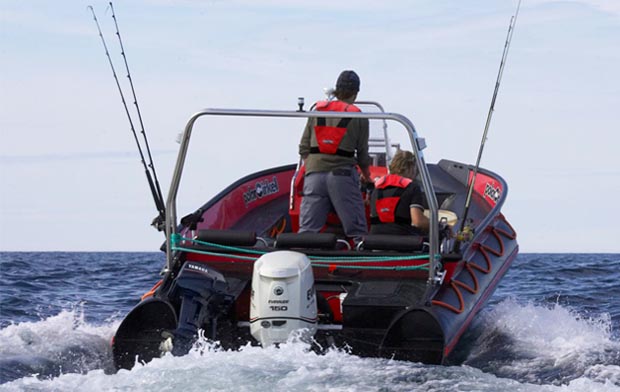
x=171, y=210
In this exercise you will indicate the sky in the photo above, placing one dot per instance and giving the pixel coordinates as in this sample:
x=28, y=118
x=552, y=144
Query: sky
x=71, y=177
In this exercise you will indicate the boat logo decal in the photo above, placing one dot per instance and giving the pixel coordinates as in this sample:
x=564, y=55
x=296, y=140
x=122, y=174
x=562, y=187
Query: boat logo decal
x=278, y=290
x=493, y=193
x=261, y=189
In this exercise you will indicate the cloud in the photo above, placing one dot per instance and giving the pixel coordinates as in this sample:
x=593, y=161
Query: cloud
x=82, y=156
x=611, y=7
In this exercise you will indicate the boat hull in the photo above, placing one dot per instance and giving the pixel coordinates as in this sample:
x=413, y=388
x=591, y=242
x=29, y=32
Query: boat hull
x=384, y=305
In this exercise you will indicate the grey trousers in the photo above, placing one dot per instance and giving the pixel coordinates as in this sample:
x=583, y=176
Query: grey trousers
x=338, y=189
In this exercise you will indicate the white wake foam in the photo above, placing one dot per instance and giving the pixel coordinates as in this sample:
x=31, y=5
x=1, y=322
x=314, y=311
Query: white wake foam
x=58, y=344
x=51, y=334
x=537, y=343
x=538, y=334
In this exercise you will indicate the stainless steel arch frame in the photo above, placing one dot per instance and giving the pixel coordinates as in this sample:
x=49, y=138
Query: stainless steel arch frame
x=385, y=132
x=171, y=210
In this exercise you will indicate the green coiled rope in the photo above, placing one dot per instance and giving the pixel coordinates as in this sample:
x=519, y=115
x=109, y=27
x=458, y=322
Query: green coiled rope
x=317, y=261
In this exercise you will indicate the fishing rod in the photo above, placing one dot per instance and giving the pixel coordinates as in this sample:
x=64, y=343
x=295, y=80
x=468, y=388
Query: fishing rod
x=464, y=232
x=159, y=199
x=153, y=185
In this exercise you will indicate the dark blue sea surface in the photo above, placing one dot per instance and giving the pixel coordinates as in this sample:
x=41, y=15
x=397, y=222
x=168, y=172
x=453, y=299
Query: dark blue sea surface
x=552, y=325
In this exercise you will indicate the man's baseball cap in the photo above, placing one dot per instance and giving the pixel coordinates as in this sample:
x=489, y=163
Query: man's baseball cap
x=348, y=81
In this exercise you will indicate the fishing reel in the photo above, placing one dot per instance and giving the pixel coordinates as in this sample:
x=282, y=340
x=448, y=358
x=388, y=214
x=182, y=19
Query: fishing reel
x=466, y=234
x=451, y=243
x=159, y=223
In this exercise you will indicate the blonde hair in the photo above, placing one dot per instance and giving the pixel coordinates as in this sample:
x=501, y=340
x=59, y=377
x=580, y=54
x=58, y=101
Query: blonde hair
x=403, y=164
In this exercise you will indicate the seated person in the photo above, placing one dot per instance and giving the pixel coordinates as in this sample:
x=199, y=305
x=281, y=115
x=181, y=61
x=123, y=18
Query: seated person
x=397, y=202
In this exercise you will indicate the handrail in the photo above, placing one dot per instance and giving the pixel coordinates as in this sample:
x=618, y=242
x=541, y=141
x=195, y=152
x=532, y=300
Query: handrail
x=171, y=208
x=388, y=156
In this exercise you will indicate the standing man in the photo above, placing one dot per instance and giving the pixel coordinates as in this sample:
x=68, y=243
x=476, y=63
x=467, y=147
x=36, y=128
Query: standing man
x=331, y=149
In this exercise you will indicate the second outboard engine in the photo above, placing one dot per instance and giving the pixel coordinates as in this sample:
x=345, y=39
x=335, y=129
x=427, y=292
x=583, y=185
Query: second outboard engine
x=204, y=297
x=283, y=297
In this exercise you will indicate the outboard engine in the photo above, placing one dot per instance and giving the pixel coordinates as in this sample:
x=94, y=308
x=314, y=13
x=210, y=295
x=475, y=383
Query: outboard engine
x=283, y=297
x=204, y=297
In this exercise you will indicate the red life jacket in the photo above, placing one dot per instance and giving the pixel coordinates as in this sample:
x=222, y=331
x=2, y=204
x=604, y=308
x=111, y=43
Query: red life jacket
x=329, y=137
x=386, y=196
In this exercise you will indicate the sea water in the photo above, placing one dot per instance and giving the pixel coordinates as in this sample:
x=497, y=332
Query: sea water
x=552, y=325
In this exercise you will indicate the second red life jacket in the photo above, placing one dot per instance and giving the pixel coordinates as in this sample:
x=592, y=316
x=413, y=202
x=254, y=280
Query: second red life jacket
x=388, y=190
